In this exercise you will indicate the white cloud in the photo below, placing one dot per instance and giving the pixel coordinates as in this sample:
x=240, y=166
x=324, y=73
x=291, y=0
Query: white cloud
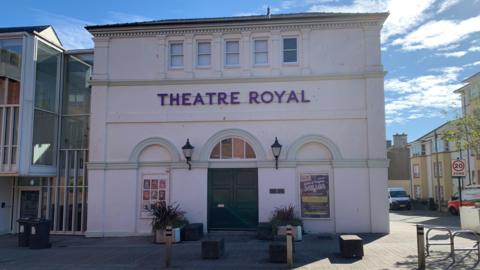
x=445, y=5
x=460, y=53
x=474, y=64
x=422, y=97
x=403, y=17
x=120, y=17
x=435, y=34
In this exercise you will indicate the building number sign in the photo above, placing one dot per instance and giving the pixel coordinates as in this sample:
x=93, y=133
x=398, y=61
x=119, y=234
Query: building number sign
x=458, y=167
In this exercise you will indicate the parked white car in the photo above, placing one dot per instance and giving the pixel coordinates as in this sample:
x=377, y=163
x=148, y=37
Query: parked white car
x=398, y=198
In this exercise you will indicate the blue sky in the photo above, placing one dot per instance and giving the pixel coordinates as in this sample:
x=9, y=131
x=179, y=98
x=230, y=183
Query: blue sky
x=428, y=46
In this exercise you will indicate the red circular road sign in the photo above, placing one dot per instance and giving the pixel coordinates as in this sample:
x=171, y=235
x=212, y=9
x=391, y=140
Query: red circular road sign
x=458, y=165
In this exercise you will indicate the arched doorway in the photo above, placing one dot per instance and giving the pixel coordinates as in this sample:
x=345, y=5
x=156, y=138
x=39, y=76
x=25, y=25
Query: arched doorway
x=232, y=188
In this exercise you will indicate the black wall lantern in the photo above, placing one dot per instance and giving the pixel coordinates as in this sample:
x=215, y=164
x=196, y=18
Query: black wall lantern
x=187, y=152
x=276, y=149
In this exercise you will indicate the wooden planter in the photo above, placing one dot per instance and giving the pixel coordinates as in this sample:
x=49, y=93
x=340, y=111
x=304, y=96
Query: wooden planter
x=159, y=236
x=296, y=231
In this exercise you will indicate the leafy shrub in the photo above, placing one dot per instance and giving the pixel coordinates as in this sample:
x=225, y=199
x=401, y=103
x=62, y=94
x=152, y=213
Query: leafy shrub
x=167, y=215
x=283, y=216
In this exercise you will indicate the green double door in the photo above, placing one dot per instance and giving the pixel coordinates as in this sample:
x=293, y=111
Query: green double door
x=232, y=199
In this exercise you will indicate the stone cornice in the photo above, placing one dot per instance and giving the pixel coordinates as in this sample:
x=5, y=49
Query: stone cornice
x=356, y=76
x=290, y=25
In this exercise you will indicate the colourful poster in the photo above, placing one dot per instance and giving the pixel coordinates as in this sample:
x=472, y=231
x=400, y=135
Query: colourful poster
x=314, y=195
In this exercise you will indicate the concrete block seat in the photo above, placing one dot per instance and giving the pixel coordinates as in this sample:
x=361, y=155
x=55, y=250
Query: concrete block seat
x=192, y=232
x=351, y=246
x=213, y=248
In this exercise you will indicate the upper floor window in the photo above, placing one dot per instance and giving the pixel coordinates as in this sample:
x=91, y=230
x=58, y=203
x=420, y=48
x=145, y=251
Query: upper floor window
x=204, y=53
x=437, y=168
x=233, y=148
x=232, y=53
x=290, y=50
x=261, y=52
x=424, y=150
x=416, y=171
x=176, y=55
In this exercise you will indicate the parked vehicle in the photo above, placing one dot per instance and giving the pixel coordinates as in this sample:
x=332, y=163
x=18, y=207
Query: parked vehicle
x=470, y=195
x=398, y=198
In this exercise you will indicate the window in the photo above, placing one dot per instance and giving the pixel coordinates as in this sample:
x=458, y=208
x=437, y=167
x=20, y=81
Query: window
x=204, y=51
x=417, y=191
x=46, y=105
x=437, y=168
x=261, y=52
x=154, y=190
x=232, y=53
x=289, y=50
x=176, y=55
x=423, y=151
x=416, y=170
x=232, y=148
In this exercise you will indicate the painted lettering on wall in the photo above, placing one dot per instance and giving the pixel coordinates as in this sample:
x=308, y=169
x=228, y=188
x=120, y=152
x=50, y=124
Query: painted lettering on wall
x=232, y=98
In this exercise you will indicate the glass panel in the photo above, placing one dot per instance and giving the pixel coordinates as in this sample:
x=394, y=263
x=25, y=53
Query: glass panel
x=289, y=43
x=11, y=58
x=74, y=132
x=6, y=129
x=249, y=153
x=176, y=49
x=44, y=128
x=204, y=60
x=14, y=155
x=3, y=82
x=204, y=48
x=46, y=77
x=290, y=56
x=215, y=152
x=232, y=59
x=261, y=46
x=227, y=149
x=13, y=92
x=232, y=47
x=76, y=95
x=15, y=126
x=261, y=58
x=238, y=148
x=176, y=61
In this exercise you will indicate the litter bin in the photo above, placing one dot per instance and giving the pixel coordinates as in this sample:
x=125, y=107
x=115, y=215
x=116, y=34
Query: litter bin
x=23, y=232
x=40, y=234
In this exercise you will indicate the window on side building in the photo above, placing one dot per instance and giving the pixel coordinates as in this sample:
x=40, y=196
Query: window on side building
x=260, y=52
x=290, y=50
x=204, y=53
x=176, y=55
x=232, y=53
x=416, y=170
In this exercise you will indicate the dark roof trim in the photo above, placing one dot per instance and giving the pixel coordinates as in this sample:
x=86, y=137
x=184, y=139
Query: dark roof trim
x=28, y=29
x=237, y=19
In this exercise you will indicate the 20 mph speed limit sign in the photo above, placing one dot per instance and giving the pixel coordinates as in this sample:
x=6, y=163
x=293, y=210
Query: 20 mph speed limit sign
x=458, y=167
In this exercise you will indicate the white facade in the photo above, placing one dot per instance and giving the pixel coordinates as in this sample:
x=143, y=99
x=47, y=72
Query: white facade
x=339, y=132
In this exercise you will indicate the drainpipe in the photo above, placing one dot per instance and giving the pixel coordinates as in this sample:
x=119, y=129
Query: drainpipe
x=436, y=169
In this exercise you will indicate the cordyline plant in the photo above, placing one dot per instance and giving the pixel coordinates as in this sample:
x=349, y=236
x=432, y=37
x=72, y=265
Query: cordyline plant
x=285, y=216
x=464, y=132
x=167, y=215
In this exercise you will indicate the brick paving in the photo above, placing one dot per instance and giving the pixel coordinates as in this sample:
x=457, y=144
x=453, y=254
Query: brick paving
x=396, y=250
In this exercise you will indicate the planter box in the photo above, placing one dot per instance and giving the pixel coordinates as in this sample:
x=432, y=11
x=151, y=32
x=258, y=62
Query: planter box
x=264, y=231
x=159, y=236
x=192, y=232
x=212, y=248
x=296, y=231
x=470, y=218
x=351, y=246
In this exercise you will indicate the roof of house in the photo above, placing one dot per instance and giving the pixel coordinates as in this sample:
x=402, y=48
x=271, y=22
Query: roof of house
x=28, y=29
x=431, y=133
x=236, y=19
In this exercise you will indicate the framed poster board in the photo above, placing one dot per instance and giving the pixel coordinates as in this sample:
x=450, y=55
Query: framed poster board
x=314, y=195
x=154, y=190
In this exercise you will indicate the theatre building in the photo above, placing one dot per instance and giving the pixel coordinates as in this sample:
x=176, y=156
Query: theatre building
x=229, y=87
x=44, y=115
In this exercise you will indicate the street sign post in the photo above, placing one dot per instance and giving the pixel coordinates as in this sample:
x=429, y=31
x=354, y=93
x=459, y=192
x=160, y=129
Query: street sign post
x=458, y=170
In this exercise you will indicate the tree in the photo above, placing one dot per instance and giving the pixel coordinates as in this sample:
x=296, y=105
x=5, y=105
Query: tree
x=464, y=132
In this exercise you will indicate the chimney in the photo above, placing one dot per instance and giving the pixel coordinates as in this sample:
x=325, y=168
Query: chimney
x=399, y=140
x=389, y=143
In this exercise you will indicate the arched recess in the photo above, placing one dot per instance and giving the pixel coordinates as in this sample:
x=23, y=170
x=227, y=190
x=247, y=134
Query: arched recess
x=300, y=142
x=207, y=148
x=174, y=154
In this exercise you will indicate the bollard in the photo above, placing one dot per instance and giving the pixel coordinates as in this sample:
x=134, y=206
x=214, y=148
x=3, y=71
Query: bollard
x=168, y=246
x=289, y=246
x=421, y=247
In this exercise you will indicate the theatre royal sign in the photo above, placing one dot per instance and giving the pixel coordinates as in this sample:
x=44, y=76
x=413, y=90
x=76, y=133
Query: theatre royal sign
x=232, y=98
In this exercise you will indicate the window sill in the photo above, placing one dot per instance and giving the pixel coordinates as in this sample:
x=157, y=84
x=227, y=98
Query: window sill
x=175, y=68
x=203, y=67
x=232, y=66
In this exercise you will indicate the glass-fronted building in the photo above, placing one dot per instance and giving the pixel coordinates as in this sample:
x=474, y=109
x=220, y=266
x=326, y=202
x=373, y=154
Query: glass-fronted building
x=44, y=120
